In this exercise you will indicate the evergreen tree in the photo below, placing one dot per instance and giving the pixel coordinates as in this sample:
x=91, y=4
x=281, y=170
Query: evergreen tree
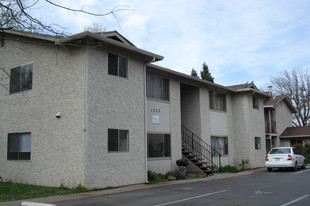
x=194, y=73
x=205, y=73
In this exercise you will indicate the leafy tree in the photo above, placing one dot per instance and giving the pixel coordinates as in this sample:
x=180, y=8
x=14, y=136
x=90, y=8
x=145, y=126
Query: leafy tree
x=205, y=73
x=194, y=73
x=296, y=86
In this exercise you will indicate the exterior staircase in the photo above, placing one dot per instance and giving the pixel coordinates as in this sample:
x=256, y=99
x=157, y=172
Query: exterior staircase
x=199, y=152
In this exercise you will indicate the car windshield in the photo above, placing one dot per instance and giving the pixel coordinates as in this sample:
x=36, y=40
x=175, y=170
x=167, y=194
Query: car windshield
x=280, y=151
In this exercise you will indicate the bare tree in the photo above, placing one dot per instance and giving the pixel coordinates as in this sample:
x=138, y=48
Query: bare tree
x=15, y=15
x=296, y=86
x=95, y=28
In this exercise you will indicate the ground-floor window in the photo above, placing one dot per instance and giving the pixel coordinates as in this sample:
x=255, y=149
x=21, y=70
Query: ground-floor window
x=159, y=145
x=118, y=140
x=296, y=141
x=258, y=144
x=220, y=144
x=19, y=146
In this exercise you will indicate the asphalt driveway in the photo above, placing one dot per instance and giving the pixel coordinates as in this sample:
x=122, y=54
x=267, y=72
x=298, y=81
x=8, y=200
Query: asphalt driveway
x=255, y=187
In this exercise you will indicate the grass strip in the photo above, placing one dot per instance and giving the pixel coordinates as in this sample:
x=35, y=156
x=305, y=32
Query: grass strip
x=16, y=191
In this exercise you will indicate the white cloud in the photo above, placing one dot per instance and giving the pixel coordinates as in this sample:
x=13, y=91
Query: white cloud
x=239, y=40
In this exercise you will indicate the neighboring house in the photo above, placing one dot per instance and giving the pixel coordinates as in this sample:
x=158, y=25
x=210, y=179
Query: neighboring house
x=295, y=135
x=91, y=109
x=278, y=116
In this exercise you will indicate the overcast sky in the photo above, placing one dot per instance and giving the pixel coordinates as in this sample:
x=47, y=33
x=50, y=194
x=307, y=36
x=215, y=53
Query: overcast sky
x=240, y=40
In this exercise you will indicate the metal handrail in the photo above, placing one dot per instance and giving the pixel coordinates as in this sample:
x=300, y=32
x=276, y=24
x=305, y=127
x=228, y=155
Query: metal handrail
x=200, y=149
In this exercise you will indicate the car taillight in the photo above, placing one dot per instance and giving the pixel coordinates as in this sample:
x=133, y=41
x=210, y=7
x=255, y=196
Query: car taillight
x=289, y=157
x=266, y=158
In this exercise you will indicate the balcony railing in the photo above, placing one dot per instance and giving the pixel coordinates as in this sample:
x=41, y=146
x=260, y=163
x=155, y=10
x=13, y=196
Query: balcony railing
x=273, y=128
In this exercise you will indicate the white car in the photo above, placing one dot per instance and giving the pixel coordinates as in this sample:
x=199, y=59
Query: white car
x=284, y=157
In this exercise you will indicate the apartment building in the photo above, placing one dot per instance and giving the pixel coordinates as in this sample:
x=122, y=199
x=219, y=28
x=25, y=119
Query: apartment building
x=93, y=109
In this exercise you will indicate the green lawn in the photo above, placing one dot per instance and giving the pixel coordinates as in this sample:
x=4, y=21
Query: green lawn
x=14, y=191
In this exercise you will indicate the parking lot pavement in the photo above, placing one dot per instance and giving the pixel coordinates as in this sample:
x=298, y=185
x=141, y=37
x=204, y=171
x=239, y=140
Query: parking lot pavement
x=277, y=188
x=127, y=188
x=253, y=187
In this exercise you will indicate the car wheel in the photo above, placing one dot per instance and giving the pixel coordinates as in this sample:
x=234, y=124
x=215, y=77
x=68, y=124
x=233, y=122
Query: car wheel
x=295, y=168
x=269, y=169
x=303, y=165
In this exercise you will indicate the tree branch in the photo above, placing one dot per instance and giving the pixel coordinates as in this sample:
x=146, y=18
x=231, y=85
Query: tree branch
x=115, y=9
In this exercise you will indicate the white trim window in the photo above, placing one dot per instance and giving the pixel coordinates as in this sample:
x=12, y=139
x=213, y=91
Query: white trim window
x=118, y=140
x=159, y=145
x=19, y=146
x=21, y=78
x=117, y=65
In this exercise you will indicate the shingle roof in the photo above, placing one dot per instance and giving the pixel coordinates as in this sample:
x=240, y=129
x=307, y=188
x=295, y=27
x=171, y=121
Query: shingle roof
x=296, y=132
x=274, y=101
x=243, y=86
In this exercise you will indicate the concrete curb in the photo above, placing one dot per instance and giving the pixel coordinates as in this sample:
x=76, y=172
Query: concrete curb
x=51, y=199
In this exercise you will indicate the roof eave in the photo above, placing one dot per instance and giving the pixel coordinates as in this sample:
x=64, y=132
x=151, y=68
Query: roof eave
x=294, y=136
x=31, y=35
x=82, y=35
x=254, y=92
x=188, y=77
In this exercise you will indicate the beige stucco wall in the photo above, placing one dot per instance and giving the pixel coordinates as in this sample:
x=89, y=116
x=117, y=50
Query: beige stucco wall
x=161, y=109
x=241, y=127
x=283, y=119
x=170, y=118
x=248, y=123
x=117, y=103
x=257, y=129
x=58, y=86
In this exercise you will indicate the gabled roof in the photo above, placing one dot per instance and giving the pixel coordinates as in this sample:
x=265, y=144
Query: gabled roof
x=113, y=38
x=249, y=87
x=296, y=132
x=243, y=86
x=116, y=36
x=274, y=101
x=102, y=38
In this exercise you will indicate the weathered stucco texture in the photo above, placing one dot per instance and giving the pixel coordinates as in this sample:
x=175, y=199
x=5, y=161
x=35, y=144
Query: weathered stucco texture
x=117, y=103
x=57, y=144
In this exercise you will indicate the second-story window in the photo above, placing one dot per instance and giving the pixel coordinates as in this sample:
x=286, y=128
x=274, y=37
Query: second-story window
x=117, y=65
x=217, y=101
x=157, y=87
x=255, y=103
x=21, y=78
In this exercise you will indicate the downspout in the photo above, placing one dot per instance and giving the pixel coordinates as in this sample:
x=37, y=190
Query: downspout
x=270, y=129
x=85, y=114
x=145, y=115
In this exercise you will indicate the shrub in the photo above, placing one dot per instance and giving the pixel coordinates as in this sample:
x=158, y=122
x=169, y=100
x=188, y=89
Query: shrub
x=228, y=168
x=244, y=164
x=151, y=176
